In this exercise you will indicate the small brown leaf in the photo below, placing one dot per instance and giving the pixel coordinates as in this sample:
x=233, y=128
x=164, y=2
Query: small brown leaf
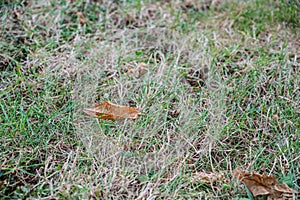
x=109, y=111
x=263, y=185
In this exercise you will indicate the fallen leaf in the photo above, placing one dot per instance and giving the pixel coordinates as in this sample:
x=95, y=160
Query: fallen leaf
x=260, y=185
x=109, y=111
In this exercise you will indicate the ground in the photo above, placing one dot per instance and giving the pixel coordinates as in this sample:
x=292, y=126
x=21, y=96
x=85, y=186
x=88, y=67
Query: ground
x=218, y=82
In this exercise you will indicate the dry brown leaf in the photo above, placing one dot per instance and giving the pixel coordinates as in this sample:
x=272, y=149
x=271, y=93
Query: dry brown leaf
x=109, y=111
x=264, y=185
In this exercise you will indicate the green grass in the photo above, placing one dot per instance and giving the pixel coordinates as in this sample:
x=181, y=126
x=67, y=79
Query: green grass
x=220, y=91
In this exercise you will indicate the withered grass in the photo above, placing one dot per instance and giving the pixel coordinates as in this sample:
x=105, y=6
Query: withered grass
x=218, y=82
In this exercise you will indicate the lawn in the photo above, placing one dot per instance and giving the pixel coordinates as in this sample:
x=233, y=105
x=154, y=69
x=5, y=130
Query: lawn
x=218, y=83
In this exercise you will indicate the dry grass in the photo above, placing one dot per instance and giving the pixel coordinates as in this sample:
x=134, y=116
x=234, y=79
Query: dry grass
x=219, y=87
